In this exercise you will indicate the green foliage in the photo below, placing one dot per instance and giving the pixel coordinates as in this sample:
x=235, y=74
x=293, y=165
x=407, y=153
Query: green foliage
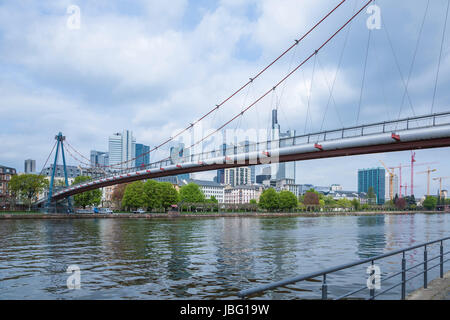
x=168, y=194
x=344, y=203
x=152, y=195
x=269, y=199
x=191, y=193
x=253, y=201
x=430, y=203
x=134, y=196
x=356, y=204
x=287, y=200
x=28, y=186
x=213, y=200
x=371, y=195
x=88, y=198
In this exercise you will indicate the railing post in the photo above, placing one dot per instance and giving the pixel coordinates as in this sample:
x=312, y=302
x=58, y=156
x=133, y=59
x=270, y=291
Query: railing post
x=425, y=268
x=372, y=290
x=442, y=260
x=403, y=276
x=324, y=287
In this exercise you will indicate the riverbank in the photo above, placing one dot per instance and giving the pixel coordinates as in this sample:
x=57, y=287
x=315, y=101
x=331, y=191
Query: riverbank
x=437, y=289
x=176, y=215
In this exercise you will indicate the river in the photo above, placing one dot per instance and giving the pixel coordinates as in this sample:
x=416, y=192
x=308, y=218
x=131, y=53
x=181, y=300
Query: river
x=204, y=258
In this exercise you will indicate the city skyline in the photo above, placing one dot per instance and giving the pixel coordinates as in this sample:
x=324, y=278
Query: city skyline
x=73, y=92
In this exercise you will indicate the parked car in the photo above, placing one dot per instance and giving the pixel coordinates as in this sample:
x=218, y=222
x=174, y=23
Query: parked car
x=105, y=210
x=83, y=211
x=140, y=210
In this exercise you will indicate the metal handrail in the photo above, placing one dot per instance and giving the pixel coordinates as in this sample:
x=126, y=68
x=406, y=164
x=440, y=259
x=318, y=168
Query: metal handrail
x=324, y=273
x=288, y=141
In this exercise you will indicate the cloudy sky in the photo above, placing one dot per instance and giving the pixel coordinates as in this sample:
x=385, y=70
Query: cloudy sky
x=155, y=66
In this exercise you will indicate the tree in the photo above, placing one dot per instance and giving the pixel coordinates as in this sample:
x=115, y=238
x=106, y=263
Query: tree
x=168, y=194
x=311, y=199
x=153, y=196
x=117, y=194
x=253, y=201
x=87, y=198
x=287, y=200
x=191, y=193
x=371, y=195
x=430, y=202
x=269, y=199
x=214, y=200
x=400, y=203
x=134, y=196
x=356, y=204
x=28, y=186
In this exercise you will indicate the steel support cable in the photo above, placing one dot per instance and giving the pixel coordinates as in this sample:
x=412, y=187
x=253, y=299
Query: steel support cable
x=440, y=57
x=330, y=97
x=414, y=57
x=79, y=153
x=383, y=88
x=364, y=76
x=238, y=90
x=290, y=73
x=341, y=58
x=278, y=100
x=310, y=92
x=398, y=66
x=48, y=158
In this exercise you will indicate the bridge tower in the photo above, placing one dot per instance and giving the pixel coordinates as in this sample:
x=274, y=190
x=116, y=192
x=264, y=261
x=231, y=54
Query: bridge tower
x=60, y=145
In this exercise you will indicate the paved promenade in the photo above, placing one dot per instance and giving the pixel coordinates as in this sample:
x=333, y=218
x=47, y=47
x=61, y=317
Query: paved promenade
x=438, y=289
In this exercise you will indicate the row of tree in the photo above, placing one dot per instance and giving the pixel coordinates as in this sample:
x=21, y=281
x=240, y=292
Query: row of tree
x=160, y=195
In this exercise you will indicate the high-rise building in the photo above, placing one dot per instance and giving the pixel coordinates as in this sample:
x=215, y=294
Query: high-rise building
x=122, y=148
x=374, y=178
x=179, y=154
x=285, y=170
x=238, y=176
x=30, y=166
x=387, y=187
x=99, y=158
x=142, y=149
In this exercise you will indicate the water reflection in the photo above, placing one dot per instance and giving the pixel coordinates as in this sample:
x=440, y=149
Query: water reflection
x=199, y=258
x=371, y=237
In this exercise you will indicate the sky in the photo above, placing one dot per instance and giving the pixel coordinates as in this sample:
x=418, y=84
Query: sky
x=154, y=67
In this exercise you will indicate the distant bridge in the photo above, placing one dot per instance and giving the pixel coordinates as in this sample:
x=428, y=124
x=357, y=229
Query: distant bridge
x=421, y=132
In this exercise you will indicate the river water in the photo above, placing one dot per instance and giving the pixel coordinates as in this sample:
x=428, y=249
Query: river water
x=206, y=258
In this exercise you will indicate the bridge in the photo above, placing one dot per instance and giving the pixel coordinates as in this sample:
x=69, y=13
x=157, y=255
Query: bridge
x=421, y=132
x=430, y=130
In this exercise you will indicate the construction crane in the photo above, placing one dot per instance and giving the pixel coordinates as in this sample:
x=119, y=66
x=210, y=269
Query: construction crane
x=405, y=166
x=413, y=159
x=391, y=180
x=428, y=172
x=440, y=183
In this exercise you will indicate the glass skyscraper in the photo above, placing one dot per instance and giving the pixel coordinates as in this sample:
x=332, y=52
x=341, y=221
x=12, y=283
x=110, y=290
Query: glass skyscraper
x=122, y=147
x=145, y=159
x=374, y=178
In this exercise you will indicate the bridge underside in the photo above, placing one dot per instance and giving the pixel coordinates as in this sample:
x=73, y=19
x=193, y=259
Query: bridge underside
x=391, y=147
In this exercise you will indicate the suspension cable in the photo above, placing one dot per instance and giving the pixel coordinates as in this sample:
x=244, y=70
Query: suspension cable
x=287, y=76
x=48, y=158
x=297, y=41
x=364, y=76
x=440, y=57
